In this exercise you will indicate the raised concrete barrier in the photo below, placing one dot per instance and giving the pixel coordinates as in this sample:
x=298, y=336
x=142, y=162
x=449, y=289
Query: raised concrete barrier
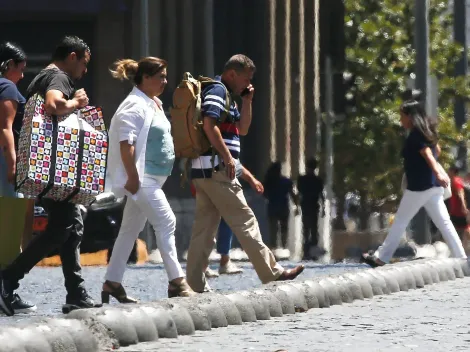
x=108, y=327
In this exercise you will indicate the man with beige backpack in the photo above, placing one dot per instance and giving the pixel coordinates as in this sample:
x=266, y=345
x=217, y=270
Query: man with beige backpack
x=206, y=129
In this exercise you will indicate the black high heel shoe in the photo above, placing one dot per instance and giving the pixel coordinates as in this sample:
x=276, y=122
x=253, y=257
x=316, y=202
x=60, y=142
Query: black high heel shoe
x=117, y=292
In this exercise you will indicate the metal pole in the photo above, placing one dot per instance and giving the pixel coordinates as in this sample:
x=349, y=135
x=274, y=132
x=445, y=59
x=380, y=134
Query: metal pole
x=422, y=48
x=209, y=37
x=316, y=79
x=460, y=36
x=326, y=233
x=421, y=229
x=144, y=28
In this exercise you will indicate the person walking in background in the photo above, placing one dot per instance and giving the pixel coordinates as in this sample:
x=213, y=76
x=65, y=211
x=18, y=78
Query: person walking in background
x=277, y=189
x=312, y=198
x=65, y=223
x=12, y=66
x=459, y=213
x=13, y=62
x=218, y=191
x=141, y=159
x=425, y=180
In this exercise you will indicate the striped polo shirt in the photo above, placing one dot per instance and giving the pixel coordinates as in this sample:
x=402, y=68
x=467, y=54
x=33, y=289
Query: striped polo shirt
x=213, y=102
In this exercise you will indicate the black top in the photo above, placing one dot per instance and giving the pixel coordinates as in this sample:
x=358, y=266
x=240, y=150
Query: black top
x=9, y=91
x=51, y=79
x=277, y=192
x=418, y=173
x=310, y=187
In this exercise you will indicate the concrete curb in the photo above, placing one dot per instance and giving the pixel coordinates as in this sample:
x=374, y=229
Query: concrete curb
x=109, y=327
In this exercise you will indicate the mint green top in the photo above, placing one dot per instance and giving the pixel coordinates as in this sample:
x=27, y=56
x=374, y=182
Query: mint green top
x=160, y=153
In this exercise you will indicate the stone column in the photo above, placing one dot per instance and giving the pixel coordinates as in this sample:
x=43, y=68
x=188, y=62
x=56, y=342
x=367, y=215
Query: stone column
x=301, y=82
x=156, y=30
x=287, y=98
x=110, y=39
x=282, y=110
x=186, y=52
x=272, y=81
x=170, y=48
x=208, y=20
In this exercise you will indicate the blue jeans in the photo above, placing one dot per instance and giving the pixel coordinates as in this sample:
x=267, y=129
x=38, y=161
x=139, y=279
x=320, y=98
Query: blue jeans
x=224, y=238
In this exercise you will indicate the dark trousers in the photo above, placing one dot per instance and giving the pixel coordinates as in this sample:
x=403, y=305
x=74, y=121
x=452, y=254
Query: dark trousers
x=64, y=232
x=310, y=227
x=278, y=220
x=224, y=238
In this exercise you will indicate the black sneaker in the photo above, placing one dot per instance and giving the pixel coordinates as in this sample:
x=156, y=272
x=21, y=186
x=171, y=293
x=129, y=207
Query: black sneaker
x=21, y=306
x=6, y=297
x=80, y=300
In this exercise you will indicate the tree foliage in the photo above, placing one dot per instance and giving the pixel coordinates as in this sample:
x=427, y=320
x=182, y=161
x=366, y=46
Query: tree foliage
x=380, y=52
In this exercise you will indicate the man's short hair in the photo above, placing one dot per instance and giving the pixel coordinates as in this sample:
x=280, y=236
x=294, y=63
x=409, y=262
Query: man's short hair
x=68, y=45
x=240, y=63
x=312, y=164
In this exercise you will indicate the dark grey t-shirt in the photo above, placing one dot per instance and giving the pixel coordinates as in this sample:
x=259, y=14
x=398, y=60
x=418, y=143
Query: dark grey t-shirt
x=51, y=78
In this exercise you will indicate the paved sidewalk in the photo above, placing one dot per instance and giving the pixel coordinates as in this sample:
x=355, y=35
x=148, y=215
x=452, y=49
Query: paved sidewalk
x=435, y=318
x=44, y=286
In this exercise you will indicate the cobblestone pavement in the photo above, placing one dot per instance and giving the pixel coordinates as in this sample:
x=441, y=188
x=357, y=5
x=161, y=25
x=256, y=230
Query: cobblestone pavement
x=435, y=318
x=45, y=286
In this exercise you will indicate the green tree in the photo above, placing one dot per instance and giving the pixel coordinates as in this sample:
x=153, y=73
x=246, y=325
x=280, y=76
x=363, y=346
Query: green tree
x=379, y=39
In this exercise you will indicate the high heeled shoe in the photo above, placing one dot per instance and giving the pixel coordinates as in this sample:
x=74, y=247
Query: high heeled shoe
x=119, y=293
x=180, y=290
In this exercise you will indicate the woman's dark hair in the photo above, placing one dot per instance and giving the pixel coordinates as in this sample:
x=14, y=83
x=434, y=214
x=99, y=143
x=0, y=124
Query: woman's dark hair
x=415, y=111
x=68, y=45
x=134, y=71
x=10, y=52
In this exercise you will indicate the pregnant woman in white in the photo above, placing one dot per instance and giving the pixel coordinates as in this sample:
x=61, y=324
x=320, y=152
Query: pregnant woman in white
x=141, y=157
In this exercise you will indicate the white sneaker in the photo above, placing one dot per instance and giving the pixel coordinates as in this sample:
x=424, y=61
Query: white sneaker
x=230, y=269
x=211, y=273
x=207, y=288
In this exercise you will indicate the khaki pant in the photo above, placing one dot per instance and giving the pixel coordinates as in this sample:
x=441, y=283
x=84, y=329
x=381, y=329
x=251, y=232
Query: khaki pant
x=219, y=196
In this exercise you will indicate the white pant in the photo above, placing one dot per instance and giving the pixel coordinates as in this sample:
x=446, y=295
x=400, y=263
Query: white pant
x=433, y=201
x=149, y=203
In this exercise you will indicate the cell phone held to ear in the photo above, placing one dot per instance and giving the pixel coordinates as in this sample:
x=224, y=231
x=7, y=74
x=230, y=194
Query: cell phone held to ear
x=245, y=92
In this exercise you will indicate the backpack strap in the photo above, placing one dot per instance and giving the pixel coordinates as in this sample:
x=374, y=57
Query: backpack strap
x=184, y=175
x=203, y=83
x=223, y=118
x=228, y=102
x=198, y=84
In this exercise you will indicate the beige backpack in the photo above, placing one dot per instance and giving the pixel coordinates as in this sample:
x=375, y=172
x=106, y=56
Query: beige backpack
x=186, y=118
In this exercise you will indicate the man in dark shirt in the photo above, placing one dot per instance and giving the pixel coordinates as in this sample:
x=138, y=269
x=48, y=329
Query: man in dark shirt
x=310, y=188
x=65, y=225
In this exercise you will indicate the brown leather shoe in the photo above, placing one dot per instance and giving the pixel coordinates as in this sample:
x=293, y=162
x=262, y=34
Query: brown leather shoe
x=180, y=290
x=291, y=274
